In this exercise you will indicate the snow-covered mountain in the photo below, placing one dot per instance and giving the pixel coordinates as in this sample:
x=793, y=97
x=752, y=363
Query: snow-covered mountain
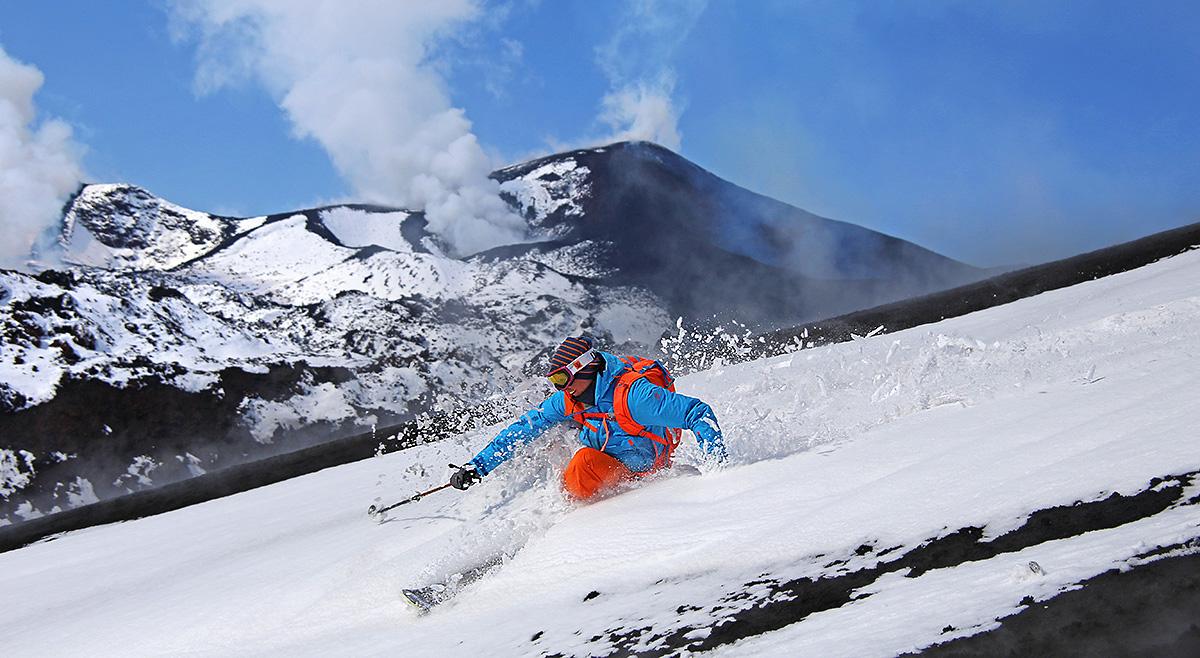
x=709, y=248
x=178, y=341
x=883, y=495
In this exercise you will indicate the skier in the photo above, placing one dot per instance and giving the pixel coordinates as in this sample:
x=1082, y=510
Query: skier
x=630, y=420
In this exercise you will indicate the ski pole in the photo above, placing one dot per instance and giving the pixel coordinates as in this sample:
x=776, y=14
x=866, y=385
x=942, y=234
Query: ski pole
x=373, y=510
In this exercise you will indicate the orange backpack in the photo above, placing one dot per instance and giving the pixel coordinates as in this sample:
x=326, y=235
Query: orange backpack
x=636, y=368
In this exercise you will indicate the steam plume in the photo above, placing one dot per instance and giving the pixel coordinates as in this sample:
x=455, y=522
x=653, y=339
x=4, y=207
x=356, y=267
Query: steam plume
x=39, y=165
x=637, y=63
x=356, y=76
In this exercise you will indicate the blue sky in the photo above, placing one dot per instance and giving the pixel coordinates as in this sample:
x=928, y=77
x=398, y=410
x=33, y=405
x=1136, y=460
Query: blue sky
x=991, y=132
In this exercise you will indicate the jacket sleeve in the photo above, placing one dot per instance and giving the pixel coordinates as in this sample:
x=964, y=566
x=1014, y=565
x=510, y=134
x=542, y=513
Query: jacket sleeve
x=528, y=427
x=654, y=405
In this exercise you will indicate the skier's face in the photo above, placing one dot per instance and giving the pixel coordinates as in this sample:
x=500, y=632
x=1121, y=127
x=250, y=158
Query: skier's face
x=578, y=386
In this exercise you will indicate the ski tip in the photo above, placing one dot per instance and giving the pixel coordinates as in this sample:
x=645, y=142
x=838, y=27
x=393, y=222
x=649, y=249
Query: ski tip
x=418, y=599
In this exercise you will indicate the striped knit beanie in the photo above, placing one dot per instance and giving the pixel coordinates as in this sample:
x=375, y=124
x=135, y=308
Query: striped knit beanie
x=570, y=349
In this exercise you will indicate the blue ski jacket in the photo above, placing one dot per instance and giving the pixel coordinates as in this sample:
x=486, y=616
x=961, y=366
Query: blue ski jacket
x=653, y=406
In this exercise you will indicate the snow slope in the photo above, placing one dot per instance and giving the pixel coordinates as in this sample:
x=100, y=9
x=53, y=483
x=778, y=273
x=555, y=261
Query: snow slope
x=907, y=467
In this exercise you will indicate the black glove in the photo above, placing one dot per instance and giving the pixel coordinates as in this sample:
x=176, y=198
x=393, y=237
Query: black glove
x=464, y=477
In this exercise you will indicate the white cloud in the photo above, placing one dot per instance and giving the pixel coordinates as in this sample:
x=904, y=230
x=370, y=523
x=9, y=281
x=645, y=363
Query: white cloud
x=500, y=68
x=640, y=103
x=39, y=164
x=356, y=76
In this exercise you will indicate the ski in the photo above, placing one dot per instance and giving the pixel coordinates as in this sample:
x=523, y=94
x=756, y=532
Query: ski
x=423, y=598
x=428, y=597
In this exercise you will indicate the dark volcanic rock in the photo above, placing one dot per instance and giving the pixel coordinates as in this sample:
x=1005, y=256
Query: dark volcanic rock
x=1151, y=610
x=102, y=428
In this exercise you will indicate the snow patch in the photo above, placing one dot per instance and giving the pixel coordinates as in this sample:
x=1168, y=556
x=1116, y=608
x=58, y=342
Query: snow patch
x=556, y=186
x=138, y=473
x=26, y=511
x=359, y=228
x=81, y=492
x=192, y=462
x=323, y=402
x=276, y=254
x=16, y=471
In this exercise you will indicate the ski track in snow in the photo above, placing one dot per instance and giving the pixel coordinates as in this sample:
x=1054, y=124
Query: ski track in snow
x=887, y=442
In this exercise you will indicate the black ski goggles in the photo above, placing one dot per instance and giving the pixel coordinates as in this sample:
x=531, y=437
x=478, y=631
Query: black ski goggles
x=562, y=377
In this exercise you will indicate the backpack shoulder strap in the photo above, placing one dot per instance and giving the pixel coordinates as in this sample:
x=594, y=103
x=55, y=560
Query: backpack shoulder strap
x=621, y=403
x=571, y=406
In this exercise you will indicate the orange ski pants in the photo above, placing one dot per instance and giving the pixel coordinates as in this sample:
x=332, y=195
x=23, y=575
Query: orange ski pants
x=591, y=472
